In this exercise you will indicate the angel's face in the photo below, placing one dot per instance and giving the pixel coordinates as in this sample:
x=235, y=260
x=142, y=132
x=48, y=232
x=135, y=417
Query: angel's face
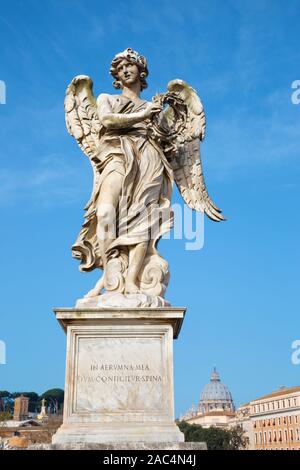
x=128, y=73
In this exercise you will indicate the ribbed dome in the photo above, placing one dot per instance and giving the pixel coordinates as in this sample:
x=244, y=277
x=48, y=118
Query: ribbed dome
x=215, y=395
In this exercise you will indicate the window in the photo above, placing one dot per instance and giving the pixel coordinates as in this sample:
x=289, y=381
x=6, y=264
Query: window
x=280, y=436
x=289, y=402
x=273, y=405
x=279, y=421
x=285, y=435
x=291, y=435
x=283, y=403
x=256, y=438
x=297, y=434
x=290, y=419
x=275, y=436
x=270, y=436
x=296, y=419
x=265, y=437
x=260, y=437
x=278, y=406
x=295, y=402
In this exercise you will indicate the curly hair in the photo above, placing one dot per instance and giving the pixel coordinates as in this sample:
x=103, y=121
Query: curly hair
x=135, y=58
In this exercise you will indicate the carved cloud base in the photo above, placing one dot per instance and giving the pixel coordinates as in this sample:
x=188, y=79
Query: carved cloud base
x=117, y=299
x=119, y=375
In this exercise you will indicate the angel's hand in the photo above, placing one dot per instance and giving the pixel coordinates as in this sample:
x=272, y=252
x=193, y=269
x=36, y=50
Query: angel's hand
x=151, y=110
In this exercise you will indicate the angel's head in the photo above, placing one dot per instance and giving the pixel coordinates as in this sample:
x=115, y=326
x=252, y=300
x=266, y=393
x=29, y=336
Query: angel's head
x=128, y=67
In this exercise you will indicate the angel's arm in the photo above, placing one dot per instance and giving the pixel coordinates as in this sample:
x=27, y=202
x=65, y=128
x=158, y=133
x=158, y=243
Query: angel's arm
x=112, y=120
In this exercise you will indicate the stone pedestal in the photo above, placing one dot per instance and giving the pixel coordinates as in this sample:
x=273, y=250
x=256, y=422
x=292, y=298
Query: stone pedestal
x=119, y=375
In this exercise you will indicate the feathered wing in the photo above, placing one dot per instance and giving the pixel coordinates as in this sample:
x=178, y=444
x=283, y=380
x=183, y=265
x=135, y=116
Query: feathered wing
x=83, y=124
x=82, y=118
x=186, y=159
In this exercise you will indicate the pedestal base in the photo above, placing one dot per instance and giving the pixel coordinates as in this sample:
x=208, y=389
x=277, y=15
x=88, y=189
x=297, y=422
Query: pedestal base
x=119, y=433
x=119, y=376
x=126, y=446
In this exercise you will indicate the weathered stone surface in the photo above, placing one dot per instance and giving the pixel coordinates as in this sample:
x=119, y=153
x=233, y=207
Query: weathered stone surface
x=193, y=446
x=137, y=150
x=117, y=299
x=119, y=376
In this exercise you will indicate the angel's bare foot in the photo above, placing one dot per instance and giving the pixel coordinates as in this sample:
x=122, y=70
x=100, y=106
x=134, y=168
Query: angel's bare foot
x=131, y=287
x=97, y=289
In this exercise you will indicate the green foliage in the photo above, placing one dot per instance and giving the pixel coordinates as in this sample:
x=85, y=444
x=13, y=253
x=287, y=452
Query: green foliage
x=4, y=416
x=192, y=432
x=54, y=398
x=215, y=438
x=33, y=396
x=55, y=393
x=6, y=401
x=238, y=439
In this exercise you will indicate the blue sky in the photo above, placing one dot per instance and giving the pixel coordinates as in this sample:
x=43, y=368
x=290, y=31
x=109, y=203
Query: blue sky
x=242, y=288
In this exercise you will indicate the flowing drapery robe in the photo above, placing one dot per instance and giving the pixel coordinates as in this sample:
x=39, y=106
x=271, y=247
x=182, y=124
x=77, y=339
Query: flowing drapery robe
x=143, y=213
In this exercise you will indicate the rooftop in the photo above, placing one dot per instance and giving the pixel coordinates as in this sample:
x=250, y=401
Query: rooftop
x=278, y=393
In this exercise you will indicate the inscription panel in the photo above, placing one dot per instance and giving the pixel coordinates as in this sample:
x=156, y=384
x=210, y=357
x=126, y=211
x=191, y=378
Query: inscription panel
x=119, y=374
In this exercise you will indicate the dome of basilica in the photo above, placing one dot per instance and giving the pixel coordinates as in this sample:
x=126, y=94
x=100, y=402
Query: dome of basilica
x=215, y=395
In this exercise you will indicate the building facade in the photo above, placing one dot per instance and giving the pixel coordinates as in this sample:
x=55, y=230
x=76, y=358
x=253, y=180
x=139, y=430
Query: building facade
x=271, y=422
x=275, y=420
x=21, y=408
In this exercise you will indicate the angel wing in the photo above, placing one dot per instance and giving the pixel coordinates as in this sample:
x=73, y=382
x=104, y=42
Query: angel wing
x=82, y=119
x=186, y=159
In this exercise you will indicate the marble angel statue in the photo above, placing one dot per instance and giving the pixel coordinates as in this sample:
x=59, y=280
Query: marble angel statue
x=137, y=149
